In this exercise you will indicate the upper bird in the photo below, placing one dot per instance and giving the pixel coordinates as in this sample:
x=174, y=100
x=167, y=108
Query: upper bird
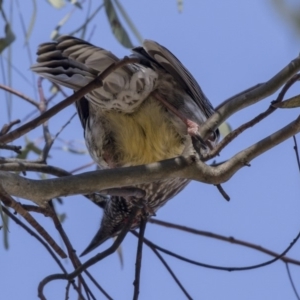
x=144, y=112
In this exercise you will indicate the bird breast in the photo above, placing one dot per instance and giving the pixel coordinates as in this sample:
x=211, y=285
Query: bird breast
x=148, y=135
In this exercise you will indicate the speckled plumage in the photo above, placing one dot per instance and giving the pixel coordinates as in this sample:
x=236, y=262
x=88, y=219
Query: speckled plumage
x=124, y=122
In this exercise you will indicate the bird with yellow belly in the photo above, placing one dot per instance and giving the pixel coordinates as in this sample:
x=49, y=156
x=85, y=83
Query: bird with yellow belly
x=144, y=112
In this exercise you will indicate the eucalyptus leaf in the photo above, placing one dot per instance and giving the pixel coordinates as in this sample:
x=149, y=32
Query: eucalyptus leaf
x=57, y=3
x=29, y=147
x=180, y=5
x=116, y=26
x=128, y=21
x=4, y=228
x=8, y=39
x=225, y=129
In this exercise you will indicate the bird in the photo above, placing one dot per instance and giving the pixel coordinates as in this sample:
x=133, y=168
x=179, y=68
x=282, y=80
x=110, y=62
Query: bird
x=145, y=112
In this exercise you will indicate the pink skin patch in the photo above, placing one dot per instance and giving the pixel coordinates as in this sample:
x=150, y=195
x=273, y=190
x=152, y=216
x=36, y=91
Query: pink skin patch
x=192, y=127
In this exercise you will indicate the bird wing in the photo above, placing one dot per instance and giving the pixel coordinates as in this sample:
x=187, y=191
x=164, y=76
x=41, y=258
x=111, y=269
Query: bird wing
x=169, y=62
x=74, y=63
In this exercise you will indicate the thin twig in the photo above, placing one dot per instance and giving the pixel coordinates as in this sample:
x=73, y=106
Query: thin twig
x=22, y=96
x=46, y=131
x=97, y=285
x=72, y=254
x=37, y=209
x=138, y=261
x=296, y=151
x=67, y=290
x=6, y=127
x=82, y=167
x=90, y=18
x=32, y=233
x=230, y=269
x=172, y=274
x=222, y=192
x=51, y=141
x=9, y=201
x=20, y=166
x=291, y=281
x=168, y=268
x=94, y=259
x=47, y=136
x=223, y=238
x=16, y=149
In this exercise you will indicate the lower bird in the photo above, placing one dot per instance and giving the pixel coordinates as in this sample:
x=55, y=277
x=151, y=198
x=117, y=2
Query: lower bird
x=145, y=112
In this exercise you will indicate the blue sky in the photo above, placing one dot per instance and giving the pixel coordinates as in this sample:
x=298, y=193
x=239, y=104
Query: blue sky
x=228, y=46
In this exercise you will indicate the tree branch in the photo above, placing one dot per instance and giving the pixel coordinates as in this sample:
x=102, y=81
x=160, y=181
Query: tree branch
x=9, y=201
x=94, y=259
x=20, y=95
x=223, y=238
x=138, y=261
x=230, y=269
x=40, y=191
x=249, y=97
x=233, y=134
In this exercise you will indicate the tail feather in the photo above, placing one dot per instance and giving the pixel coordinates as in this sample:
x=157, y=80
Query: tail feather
x=98, y=239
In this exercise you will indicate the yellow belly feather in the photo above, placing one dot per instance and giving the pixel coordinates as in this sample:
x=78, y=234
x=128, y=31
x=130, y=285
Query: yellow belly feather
x=145, y=136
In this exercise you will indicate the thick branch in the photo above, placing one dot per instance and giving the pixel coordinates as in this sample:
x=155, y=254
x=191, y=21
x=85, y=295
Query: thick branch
x=40, y=191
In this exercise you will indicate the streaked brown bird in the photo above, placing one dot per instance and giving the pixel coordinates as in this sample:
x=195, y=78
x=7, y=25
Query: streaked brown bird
x=144, y=112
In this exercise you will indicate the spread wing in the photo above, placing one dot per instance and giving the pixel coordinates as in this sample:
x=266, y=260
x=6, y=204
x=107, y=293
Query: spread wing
x=162, y=56
x=74, y=63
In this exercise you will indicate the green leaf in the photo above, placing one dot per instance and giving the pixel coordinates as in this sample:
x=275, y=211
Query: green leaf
x=290, y=103
x=4, y=228
x=29, y=147
x=62, y=217
x=225, y=129
x=129, y=22
x=8, y=39
x=73, y=150
x=57, y=3
x=180, y=5
x=116, y=26
x=43, y=176
x=54, y=89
